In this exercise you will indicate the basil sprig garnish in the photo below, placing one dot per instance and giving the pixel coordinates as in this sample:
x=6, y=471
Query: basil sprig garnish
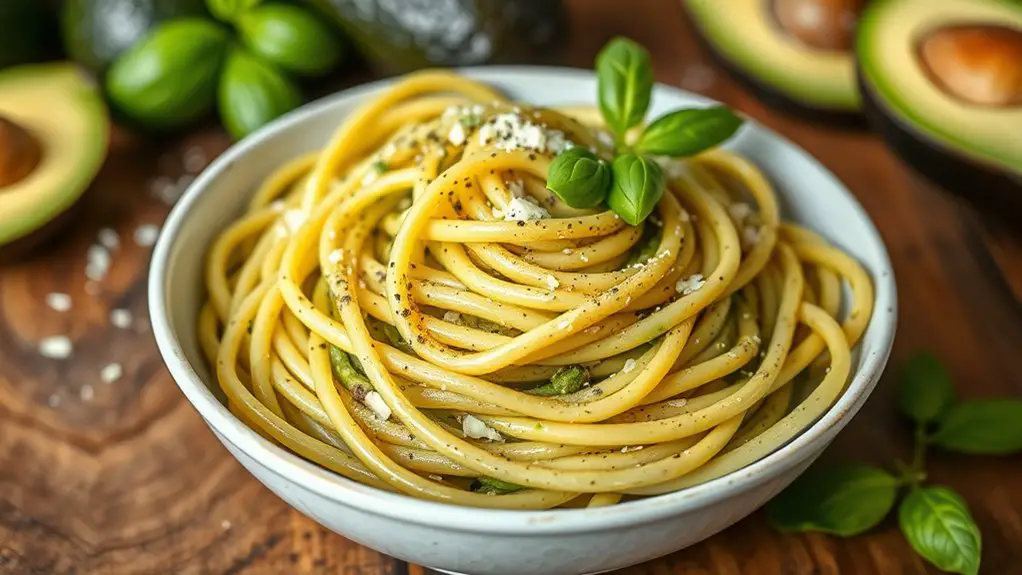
x=624, y=78
x=849, y=499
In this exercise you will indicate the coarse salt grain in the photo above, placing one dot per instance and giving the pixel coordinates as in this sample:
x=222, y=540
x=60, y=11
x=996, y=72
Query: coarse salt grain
x=375, y=402
x=452, y=316
x=523, y=210
x=56, y=347
x=145, y=235
x=111, y=372
x=628, y=366
x=108, y=238
x=58, y=301
x=86, y=392
x=476, y=429
x=120, y=318
x=691, y=284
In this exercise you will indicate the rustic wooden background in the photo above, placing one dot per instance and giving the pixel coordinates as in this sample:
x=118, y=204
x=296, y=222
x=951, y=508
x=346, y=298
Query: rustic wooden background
x=124, y=478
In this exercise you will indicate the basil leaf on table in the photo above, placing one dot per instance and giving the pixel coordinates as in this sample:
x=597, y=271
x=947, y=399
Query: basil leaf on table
x=937, y=523
x=984, y=426
x=252, y=93
x=688, y=132
x=579, y=178
x=843, y=500
x=624, y=77
x=291, y=37
x=229, y=10
x=926, y=390
x=638, y=186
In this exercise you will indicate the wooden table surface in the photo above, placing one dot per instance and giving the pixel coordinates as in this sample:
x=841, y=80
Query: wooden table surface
x=124, y=478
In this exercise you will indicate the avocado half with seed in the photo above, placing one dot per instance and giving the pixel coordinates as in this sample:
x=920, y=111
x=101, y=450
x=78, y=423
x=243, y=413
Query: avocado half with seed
x=53, y=139
x=942, y=82
x=795, y=55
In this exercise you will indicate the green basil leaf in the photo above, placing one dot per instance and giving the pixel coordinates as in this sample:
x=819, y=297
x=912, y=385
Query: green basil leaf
x=937, y=523
x=493, y=486
x=229, y=10
x=579, y=178
x=252, y=93
x=842, y=500
x=638, y=186
x=565, y=380
x=688, y=132
x=926, y=390
x=624, y=77
x=984, y=426
x=291, y=37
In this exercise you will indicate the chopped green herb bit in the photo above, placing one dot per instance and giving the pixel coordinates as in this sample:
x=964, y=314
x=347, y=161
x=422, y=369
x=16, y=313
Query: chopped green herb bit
x=568, y=379
x=494, y=486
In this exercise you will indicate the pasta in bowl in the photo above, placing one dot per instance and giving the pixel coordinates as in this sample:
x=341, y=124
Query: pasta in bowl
x=409, y=306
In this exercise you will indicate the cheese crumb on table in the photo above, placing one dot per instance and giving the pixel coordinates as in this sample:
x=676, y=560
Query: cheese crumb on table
x=146, y=234
x=56, y=347
x=58, y=301
x=120, y=318
x=111, y=372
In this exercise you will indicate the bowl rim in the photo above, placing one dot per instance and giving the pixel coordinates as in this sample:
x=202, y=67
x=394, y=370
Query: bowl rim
x=397, y=506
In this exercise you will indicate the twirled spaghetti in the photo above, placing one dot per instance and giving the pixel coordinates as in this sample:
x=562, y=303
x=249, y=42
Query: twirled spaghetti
x=413, y=309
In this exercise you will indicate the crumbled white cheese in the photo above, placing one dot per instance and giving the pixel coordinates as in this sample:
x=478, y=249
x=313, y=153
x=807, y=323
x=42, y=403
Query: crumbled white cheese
x=551, y=281
x=452, y=316
x=58, y=301
x=194, y=160
x=97, y=262
x=751, y=235
x=370, y=177
x=294, y=219
x=335, y=256
x=691, y=284
x=225, y=525
x=375, y=402
x=120, y=318
x=628, y=448
x=457, y=134
x=511, y=131
x=108, y=238
x=56, y=347
x=605, y=138
x=476, y=429
x=524, y=209
x=739, y=211
x=146, y=234
x=628, y=366
x=567, y=251
x=673, y=169
x=111, y=372
x=86, y=392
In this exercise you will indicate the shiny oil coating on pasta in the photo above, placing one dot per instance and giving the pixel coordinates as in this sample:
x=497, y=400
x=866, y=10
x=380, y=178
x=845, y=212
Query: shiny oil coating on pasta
x=390, y=259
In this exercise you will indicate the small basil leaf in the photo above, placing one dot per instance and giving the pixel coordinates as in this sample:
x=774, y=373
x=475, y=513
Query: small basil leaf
x=843, y=500
x=579, y=178
x=494, y=486
x=624, y=77
x=568, y=379
x=985, y=426
x=228, y=10
x=938, y=525
x=638, y=186
x=688, y=132
x=926, y=391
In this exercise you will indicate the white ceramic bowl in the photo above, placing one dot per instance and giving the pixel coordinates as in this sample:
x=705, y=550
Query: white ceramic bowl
x=477, y=541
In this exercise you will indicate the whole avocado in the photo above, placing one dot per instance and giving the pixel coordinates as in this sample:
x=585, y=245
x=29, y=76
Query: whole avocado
x=402, y=36
x=95, y=32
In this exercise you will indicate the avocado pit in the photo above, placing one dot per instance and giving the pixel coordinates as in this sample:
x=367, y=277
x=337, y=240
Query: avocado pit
x=19, y=152
x=821, y=24
x=977, y=64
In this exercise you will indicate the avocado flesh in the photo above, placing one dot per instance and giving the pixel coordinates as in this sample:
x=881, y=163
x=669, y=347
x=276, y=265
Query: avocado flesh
x=745, y=35
x=896, y=82
x=63, y=111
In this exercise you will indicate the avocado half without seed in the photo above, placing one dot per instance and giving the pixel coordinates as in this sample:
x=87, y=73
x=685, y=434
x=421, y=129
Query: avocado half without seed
x=942, y=82
x=795, y=55
x=53, y=138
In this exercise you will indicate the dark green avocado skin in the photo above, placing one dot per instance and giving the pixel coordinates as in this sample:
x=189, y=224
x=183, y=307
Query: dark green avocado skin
x=400, y=36
x=993, y=192
x=777, y=100
x=28, y=32
x=95, y=32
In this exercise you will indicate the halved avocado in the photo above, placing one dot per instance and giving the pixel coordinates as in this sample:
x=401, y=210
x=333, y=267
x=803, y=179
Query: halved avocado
x=53, y=138
x=796, y=55
x=942, y=82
